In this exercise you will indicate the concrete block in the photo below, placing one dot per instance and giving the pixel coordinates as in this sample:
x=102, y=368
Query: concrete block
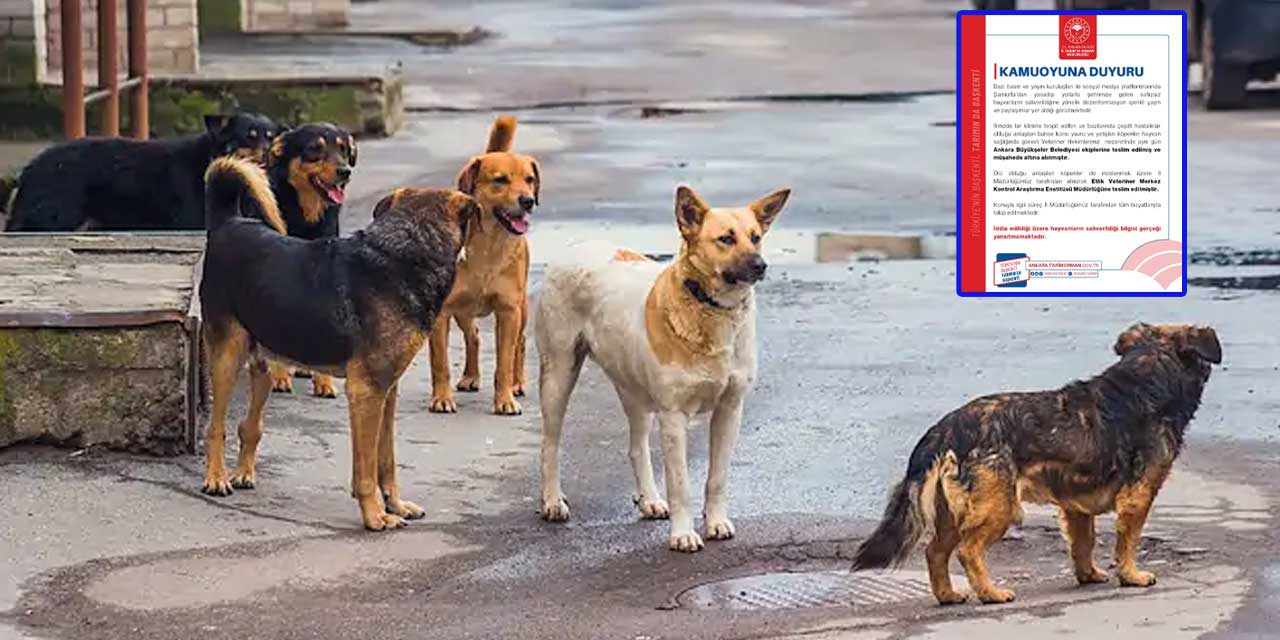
x=180, y=16
x=171, y=38
x=186, y=61
x=98, y=346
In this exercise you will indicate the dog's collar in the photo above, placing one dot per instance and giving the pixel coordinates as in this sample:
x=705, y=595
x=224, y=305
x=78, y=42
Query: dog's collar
x=695, y=289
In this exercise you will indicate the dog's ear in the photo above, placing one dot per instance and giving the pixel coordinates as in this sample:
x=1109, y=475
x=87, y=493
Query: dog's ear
x=1136, y=334
x=1203, y=341
x=351, y=150
x=468, y=176
x=768, y=207
x=465, y=208
x=214, y=122
x=384, y=205
x=537, y=181
x=690, y=212
x=277, y=147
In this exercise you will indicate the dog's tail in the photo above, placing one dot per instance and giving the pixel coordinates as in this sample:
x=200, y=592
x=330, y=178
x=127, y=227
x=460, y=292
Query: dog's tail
x=502, y=134
x=235, y=187
x=912, y=506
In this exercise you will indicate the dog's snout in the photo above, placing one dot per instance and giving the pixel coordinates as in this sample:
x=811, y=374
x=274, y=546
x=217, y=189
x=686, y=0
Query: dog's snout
x=344, y=173
x=527, y=202
x=756, y=266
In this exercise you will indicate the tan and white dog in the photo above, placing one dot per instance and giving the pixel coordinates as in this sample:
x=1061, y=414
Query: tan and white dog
x=676, y=341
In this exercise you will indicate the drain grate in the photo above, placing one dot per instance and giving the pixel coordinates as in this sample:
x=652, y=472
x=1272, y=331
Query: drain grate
x=807, y=590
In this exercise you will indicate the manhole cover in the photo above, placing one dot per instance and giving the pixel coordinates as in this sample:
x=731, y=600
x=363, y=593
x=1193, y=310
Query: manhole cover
x=804, y=590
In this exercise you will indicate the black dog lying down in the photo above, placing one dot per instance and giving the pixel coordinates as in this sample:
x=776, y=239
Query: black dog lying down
x=1093, y=446
x=358, y=307
x=113, y=184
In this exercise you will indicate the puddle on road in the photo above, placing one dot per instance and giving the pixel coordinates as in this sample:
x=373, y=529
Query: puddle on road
x=206, y=578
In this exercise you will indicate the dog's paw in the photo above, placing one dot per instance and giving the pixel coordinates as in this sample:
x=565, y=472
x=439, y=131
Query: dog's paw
x=1137, y=579
x=242, y=479
x=507, y=407
x=443, y=405
x=555, y=509
x=217, y=484
x=281, y=383
x=383, y=522
x=996, y=596
x=404, y=509
x=686, y=542
x=719, y=529
x=950, y=597
x=1095, y=576
x=323, y=387
x=468, y=384
x=518, y=390
x=652, y=508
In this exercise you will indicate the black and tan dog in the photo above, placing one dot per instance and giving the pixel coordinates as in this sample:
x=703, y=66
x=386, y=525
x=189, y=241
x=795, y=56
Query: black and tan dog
x=493, y=275
x=359, y=307
x=116, y=184
x=1093, y=446
x=309, y=168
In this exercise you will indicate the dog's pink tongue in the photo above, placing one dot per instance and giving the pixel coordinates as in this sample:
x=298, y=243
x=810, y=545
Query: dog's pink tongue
x=336, y=194
x=520, y=224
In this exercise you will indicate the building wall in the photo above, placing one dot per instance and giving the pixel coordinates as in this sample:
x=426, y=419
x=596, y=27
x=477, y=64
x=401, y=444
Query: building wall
x=22, y=26
x=172, y=44
x=296, y=14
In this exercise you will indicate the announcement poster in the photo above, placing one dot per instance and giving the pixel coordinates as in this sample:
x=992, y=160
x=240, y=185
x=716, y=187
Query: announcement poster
x=1070, y=154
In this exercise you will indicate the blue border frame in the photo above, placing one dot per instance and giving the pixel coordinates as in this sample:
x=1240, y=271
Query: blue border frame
x=1073, y=294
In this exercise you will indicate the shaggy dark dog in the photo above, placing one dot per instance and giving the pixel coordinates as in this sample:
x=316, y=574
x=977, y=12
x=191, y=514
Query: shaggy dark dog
x=117, y=184
x=359, y=307
x=1104, y=444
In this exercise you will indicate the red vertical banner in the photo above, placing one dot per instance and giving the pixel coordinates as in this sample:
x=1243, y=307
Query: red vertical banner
x=972, y=156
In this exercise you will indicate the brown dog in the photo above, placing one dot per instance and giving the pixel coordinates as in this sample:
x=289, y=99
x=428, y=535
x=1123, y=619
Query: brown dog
x=493, y=273
x=1092, y=446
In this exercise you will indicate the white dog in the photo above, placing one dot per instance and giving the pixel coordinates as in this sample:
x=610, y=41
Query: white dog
x=676, y=342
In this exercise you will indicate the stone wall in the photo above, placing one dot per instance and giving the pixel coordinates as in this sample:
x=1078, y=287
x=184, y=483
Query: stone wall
x=270, y=15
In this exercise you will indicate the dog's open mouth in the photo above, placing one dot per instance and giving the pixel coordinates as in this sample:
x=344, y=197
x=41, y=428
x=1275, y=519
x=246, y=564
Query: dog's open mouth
x=334, y=193
x=515, y=222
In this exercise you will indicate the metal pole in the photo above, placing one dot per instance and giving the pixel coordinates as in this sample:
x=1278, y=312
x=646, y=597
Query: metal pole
x=72, y=71
x=108, y=72
x=140, y=109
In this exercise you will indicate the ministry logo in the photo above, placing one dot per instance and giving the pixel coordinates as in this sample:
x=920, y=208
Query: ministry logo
x=1077, y=37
